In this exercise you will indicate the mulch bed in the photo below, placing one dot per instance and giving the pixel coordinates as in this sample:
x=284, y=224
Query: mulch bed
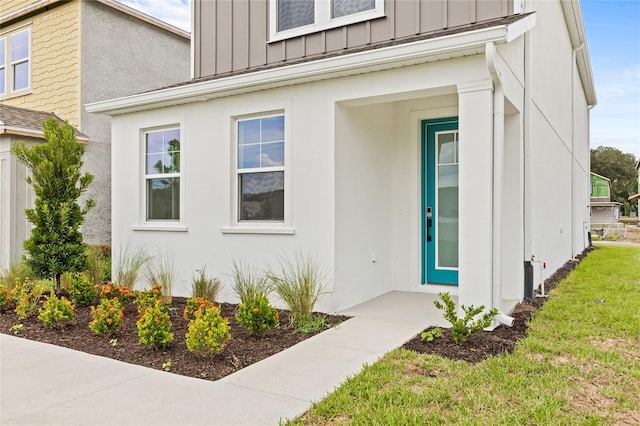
x=245, y=349
x=242, y=350
x=501, y=340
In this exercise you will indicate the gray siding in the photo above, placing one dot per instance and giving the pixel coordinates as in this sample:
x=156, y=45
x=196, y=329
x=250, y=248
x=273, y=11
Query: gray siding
x=121, y=55
x=231, y=35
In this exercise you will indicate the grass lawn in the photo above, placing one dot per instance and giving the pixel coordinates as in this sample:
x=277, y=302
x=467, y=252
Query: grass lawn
x=580, y=364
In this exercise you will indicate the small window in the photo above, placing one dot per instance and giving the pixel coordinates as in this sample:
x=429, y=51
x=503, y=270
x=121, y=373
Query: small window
x=20, y=60
x=3, y=72
x=295, y=13
x=260, y=169
x=293, y=18
x=341, y=8
x=162, y=175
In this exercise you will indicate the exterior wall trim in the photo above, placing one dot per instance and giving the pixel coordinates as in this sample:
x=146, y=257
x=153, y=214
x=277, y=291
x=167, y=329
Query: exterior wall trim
x=472, y=42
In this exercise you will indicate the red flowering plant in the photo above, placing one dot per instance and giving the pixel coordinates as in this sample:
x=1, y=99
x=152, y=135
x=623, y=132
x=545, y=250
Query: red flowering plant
x=82, y=290
x=111, y=291
x=56, y=312
x=194, y=304
x=147, y=298
x=6, y=298
x=107, y=316
x=154, y=326
x=257, y=315
x=209, y=332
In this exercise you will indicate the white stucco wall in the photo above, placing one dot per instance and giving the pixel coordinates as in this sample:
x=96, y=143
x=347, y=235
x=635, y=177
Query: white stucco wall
x=353, y=174
x=354, y=154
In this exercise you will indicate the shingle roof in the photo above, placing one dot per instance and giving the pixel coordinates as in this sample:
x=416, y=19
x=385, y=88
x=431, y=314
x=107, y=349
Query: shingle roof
x=23, y=120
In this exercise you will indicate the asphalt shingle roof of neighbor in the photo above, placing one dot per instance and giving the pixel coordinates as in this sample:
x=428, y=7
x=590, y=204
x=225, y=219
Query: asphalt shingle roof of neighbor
x=28, y=119
x=495, y=22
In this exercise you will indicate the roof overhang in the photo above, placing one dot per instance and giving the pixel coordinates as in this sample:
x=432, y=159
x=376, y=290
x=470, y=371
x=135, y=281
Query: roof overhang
x=575, y=24
x=634, y=197
x=433, y=49
x=30, y=133
x=42, y=5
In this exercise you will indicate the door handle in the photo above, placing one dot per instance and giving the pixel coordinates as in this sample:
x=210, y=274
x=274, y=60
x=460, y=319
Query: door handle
x=429, y=225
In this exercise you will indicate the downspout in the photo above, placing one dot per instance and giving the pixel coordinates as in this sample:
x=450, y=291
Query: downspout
x=527, y=147
x=498, y=173
x=573, y=150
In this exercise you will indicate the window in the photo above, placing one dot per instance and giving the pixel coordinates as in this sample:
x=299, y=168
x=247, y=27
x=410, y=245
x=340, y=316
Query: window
x=15, y=62
x=3, y=71
x=20, y=60
x=162, y=174
x=260, y=169
x=292, y=18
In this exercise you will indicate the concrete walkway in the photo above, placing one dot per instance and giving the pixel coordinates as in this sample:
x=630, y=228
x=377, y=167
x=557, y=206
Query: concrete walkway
x=49, y=385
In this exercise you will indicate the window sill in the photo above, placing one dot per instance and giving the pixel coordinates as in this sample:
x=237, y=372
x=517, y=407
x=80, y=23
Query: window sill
x=258, y=230
x=161, y=227
x=15, y=94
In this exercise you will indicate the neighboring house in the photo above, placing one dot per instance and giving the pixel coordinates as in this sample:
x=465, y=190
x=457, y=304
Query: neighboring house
x=417, y=146
x=55, y=56
x=636, y=197
x=603, y=210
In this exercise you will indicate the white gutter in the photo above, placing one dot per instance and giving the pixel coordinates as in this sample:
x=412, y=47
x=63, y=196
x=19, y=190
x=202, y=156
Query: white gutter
x=573, y=149
x=575, y=24
x=498, y=176
x=470, y=42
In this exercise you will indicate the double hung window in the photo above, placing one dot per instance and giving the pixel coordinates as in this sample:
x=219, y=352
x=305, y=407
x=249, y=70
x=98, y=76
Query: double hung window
x=162, y=174
x=260, y=169
x=15, y=62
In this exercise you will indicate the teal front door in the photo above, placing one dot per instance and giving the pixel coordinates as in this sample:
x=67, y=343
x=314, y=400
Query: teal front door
x=440, y=201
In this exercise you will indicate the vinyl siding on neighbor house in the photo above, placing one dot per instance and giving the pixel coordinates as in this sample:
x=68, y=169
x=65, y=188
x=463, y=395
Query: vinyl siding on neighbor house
x=54, y=62
x=232, y=36
x=9, y=6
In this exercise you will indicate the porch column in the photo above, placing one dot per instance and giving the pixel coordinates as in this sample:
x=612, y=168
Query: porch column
x=475, y=111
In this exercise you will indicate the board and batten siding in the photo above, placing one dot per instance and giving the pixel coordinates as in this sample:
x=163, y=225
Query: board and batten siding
x=232, y=35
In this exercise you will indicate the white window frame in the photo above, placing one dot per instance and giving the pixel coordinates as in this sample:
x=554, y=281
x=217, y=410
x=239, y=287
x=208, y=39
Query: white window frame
x=9, y=64
x=323, y=20
x=146, y=224
x=238, y=226
x=3, y=65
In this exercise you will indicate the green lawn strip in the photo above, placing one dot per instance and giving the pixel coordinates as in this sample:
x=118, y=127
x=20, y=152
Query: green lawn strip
x=580, y=364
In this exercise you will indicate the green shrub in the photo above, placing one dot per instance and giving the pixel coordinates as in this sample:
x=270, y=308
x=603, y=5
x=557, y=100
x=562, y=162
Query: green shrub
x=27, y=294
x=300, y=283
x=6, y=299
x=462, y=328
x=194, y=304
x=82, y=290
x=97, y=257
x=154, y=326
x=254, y=311
x=208, y=333
x=107, y=316
x=202, y=286
x=56, y=312
x=111, y=291
x=147, y=298
x=257, y=315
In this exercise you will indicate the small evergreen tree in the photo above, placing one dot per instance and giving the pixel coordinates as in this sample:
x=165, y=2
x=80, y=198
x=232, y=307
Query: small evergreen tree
x=56, y=245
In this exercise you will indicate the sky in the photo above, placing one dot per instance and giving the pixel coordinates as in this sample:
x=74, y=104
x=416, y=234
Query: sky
x=613, y=39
